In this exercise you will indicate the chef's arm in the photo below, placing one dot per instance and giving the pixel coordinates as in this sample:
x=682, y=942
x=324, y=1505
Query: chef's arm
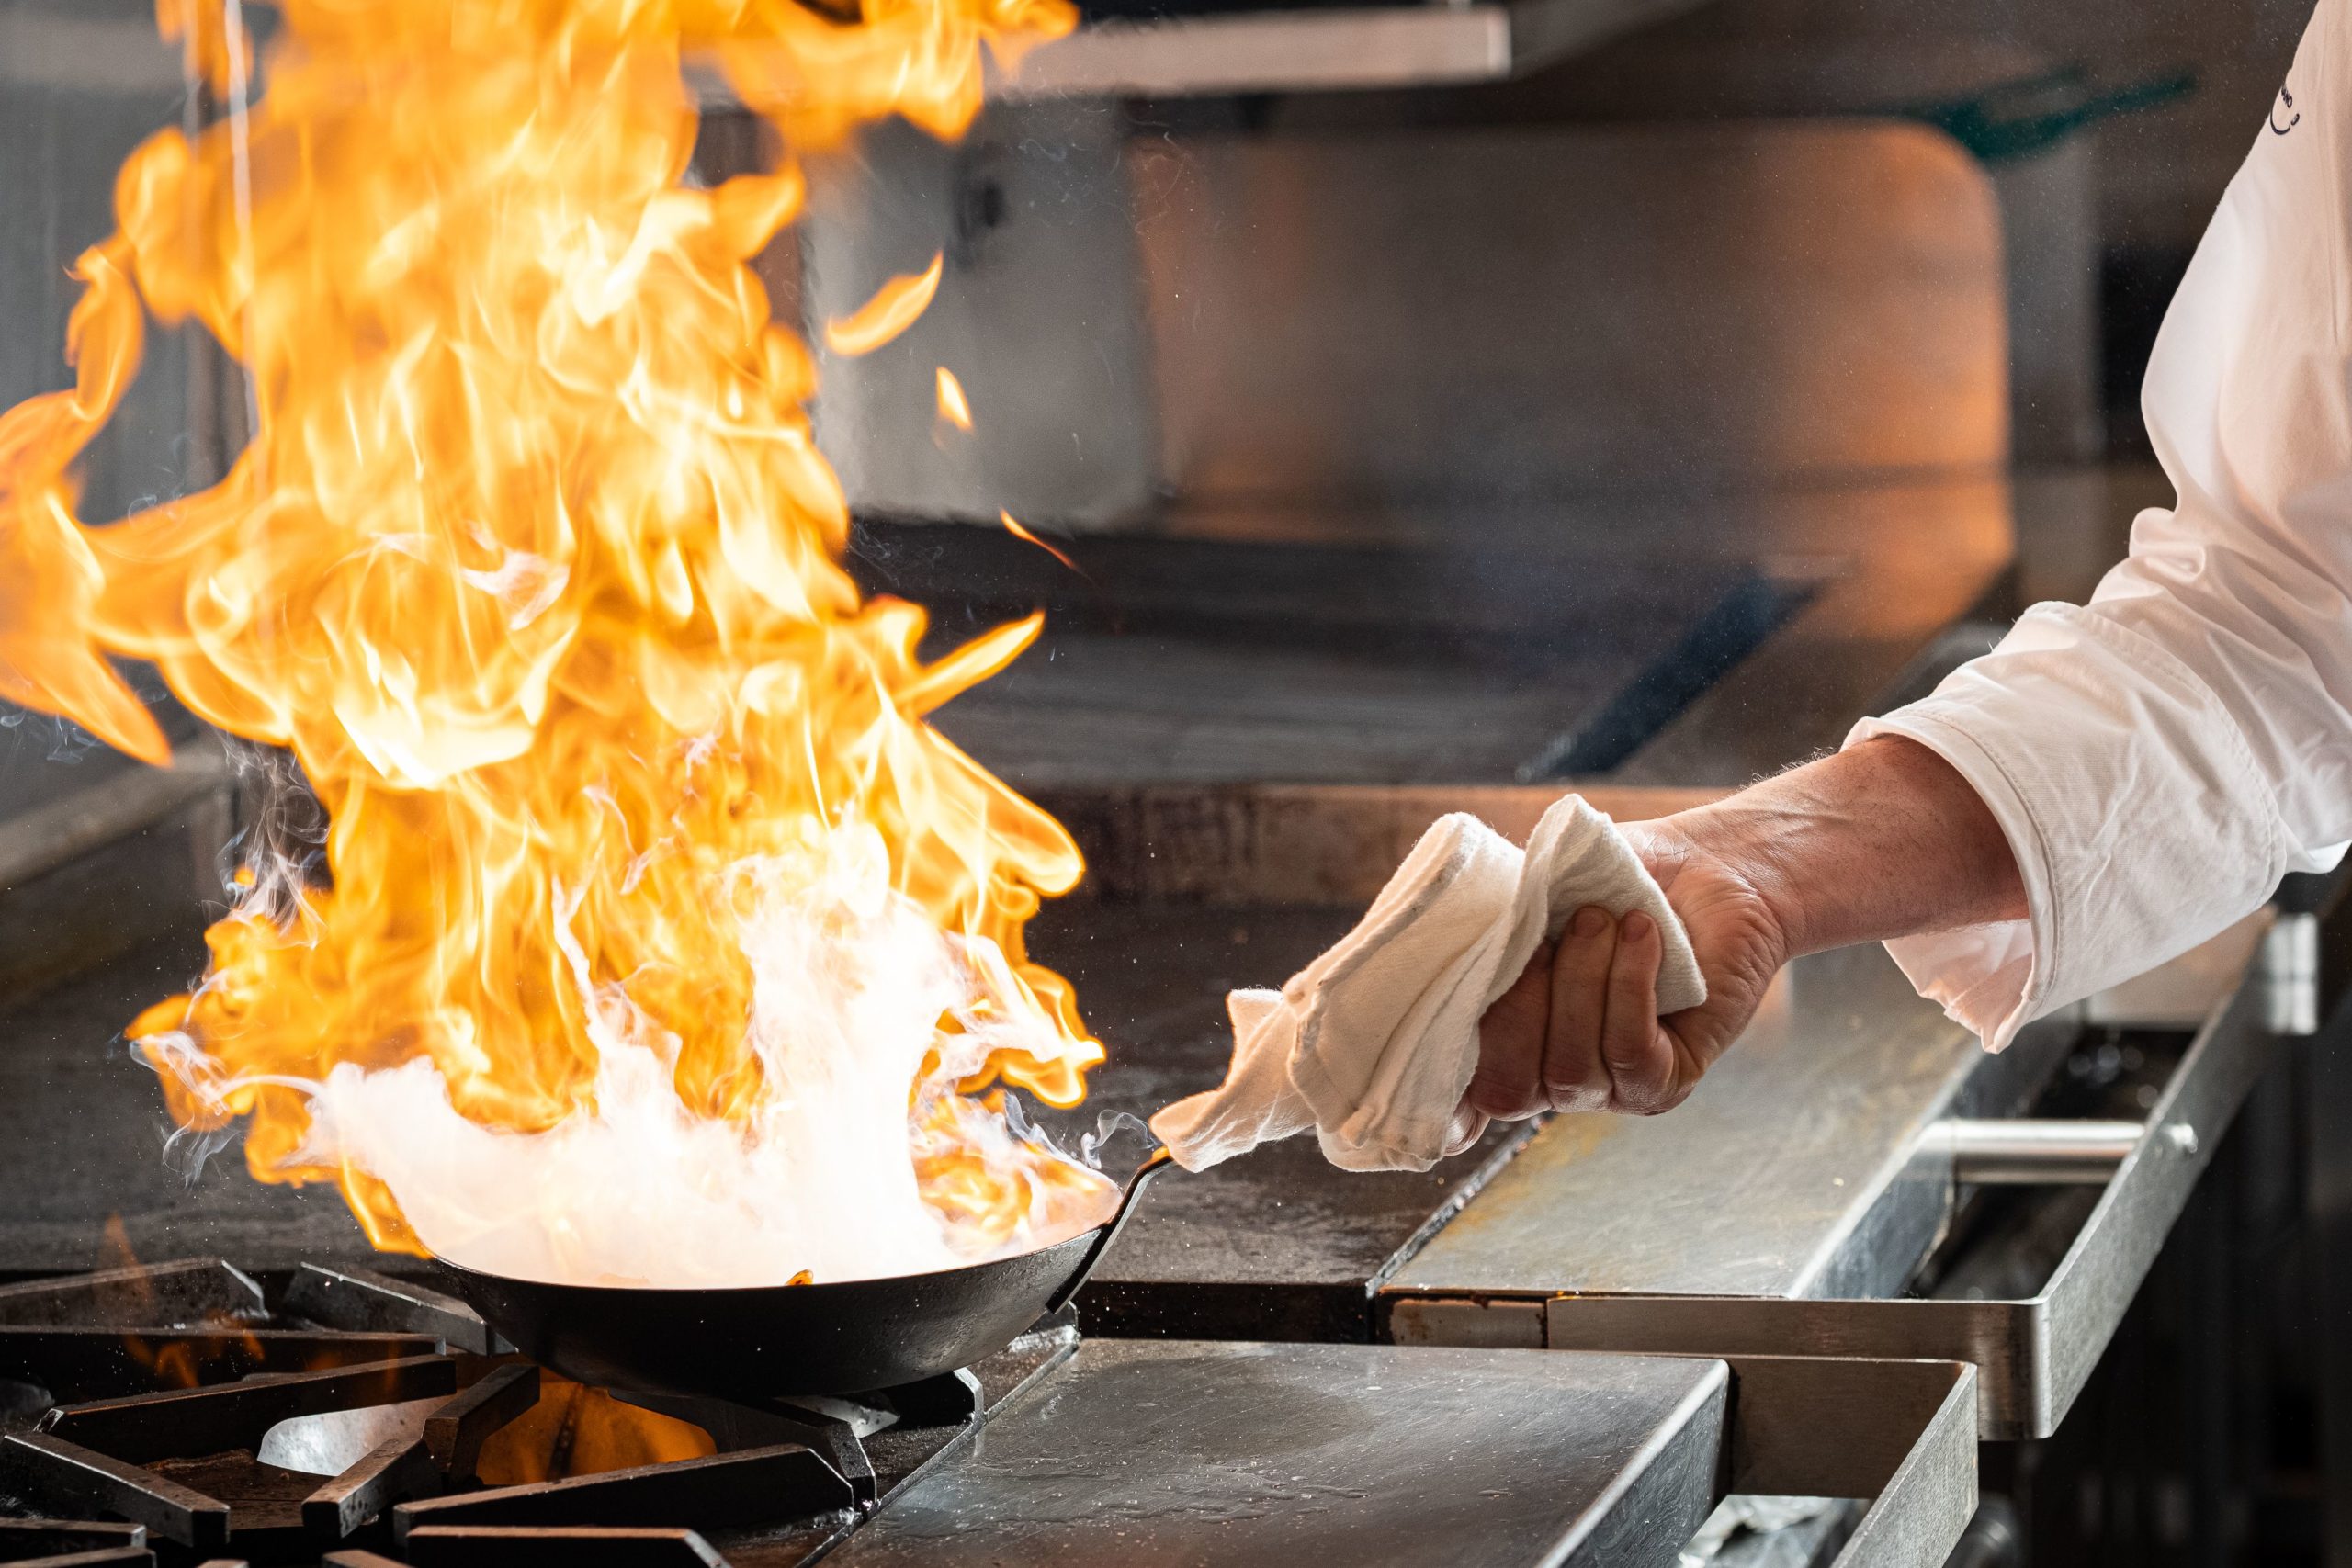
x=1885, y=839
x=2155, y=759
x=1882, y=840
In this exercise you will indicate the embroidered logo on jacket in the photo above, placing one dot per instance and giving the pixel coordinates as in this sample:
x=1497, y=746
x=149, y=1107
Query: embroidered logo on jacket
x=2294, y=116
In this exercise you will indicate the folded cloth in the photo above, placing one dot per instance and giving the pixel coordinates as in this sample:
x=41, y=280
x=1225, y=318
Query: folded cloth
x=1374, y=1044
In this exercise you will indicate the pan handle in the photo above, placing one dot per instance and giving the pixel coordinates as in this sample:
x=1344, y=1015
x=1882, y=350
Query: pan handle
x=1159, y=1160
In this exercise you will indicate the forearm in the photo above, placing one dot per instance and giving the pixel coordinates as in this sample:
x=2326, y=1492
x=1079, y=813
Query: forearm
x=1883, y=840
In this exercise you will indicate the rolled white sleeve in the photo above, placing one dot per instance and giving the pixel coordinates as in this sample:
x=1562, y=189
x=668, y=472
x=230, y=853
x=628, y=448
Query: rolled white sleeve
x=2162, y=755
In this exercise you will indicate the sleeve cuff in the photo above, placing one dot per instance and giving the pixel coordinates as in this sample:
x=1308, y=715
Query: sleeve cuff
x=1990, y=979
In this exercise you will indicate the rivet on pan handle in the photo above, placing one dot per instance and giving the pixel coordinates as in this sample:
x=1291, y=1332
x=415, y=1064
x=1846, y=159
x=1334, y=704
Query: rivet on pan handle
x=1159, y=1160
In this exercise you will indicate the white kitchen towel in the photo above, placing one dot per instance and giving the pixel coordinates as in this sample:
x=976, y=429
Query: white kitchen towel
x=1374, y=1044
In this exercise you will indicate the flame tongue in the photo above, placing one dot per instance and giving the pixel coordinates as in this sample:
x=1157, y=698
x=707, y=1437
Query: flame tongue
x=666, y=942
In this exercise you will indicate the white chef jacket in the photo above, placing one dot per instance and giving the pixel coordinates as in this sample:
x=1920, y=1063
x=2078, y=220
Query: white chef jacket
x=2160, y=756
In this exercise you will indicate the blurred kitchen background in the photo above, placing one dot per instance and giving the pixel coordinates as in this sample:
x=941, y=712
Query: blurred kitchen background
x=2104, y=134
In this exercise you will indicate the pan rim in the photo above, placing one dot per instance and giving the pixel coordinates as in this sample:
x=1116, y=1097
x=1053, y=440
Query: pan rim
x=451, y=1264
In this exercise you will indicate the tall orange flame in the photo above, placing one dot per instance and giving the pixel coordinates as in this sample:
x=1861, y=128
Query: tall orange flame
x=638, y=840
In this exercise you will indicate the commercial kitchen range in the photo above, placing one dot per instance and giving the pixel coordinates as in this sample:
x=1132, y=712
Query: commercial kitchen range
x=1322, y=584
x=1571, y=1344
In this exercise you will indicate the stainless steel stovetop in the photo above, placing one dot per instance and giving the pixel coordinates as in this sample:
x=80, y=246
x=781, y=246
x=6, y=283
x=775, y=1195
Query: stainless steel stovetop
x=185, y=1414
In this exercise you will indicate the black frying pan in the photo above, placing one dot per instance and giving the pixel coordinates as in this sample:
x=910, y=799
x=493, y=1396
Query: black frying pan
x=843, y=1337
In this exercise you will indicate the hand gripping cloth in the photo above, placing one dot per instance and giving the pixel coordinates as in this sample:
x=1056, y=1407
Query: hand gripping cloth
x=1374, y=1044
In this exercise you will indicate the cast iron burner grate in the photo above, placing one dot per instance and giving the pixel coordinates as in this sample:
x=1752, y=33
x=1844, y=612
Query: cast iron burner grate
x=181, y=1414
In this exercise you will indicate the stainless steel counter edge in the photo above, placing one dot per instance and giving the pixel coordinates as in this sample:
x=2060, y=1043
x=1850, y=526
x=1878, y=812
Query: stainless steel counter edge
x=2033, y=1355
x=1689, y=1442
x=1793, y=1171
x=1920, y=1514
x=51, y=836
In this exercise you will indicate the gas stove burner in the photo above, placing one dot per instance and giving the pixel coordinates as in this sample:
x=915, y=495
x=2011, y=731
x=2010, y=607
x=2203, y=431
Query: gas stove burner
x=347, y=1420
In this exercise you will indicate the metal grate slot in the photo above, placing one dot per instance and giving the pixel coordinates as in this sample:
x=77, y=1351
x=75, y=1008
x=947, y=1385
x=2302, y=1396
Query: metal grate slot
x=755, y=1486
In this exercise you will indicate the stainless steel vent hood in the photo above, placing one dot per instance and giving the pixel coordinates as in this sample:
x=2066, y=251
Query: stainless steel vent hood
x=1168, y=49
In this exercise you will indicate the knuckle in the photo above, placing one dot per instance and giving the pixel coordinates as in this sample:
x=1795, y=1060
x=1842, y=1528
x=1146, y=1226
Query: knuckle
x=1659, y=1099
x=1578, y=1096
x=1568, y=1082
x=1497, y=1098
x=1641, y=1092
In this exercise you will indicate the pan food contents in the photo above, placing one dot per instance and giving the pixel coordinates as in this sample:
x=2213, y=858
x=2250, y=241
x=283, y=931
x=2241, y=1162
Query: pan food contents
x=655, y=938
